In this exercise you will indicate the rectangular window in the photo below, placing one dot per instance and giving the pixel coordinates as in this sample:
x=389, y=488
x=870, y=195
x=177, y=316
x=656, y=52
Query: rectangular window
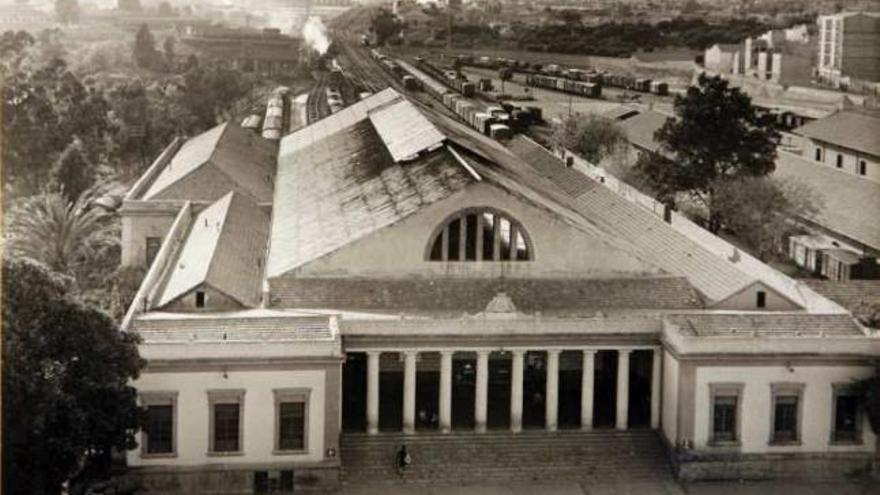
x=786, y=400
x=200, y=299
x=818, y=154
x=291, y=420
x=846, y=416
x=470, y=238
x=227, y=418
x=839, y=160
x=863, y=168
x=724, y=418
x=152, y=248
x=725, y=403
x=160, y=426
x=761, y=301
x=226, y=423
x=159, y=429
x=291, y=425
x=454, y=239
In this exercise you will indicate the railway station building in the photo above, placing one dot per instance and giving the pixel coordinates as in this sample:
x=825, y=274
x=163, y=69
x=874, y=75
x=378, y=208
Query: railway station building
x=388, y=276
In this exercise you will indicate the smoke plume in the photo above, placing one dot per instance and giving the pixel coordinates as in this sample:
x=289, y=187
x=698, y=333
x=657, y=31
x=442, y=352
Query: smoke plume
x=315, y=34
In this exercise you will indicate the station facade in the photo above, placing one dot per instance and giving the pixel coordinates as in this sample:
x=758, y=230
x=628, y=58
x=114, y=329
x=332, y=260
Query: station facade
x=386, y=270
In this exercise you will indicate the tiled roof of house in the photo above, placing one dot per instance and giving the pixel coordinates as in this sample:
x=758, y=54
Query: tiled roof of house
x=848, y=293
x=569, y=296
x=850, y=202
x=242, y=157
x=765, y=324
x=847, y=129
x=225, y=250
x=640, y=129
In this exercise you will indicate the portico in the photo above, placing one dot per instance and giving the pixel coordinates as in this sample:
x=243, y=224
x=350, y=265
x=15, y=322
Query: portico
x=492, y=388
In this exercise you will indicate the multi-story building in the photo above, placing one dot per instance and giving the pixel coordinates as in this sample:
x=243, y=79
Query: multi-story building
x=391, y=276
x=849, y=48
x=780, y=56
x=265, y=51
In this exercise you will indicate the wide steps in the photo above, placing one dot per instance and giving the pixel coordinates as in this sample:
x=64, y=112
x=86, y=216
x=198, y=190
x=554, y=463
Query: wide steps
x=498, y=457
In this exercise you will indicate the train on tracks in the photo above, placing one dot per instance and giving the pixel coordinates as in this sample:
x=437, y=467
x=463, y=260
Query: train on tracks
x=277, y=113
x=597, y=77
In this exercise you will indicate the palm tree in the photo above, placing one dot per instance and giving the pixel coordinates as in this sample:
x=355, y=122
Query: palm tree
x=70, y=238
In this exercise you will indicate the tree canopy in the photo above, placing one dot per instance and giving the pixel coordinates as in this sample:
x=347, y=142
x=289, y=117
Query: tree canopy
x=717, y=136
x=146, y=56
x=67, y=401
x=593, y=136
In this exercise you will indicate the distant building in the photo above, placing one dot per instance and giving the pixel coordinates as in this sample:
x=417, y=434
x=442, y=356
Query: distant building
x=848, y=140
x=780, y=56
x=249, y=50
x=849, y=47
x=639, y=125
x=24, y=18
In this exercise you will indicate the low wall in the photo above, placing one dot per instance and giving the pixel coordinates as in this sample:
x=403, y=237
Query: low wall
x=230, y=480
x=821, y=466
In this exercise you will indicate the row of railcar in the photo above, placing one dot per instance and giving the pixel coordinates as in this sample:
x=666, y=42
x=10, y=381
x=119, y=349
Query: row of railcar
x=580, y=88
x=277, y=108
x=602, y=78
x=449, y=77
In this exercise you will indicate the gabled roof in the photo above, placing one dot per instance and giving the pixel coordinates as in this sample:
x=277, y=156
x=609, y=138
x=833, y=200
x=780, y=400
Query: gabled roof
x=353, y=173
x=244, y=158
x=649, y=237
x=847, y=129
x=641, y=127
x=764, y=324
x=224, y=250
x=850, y=202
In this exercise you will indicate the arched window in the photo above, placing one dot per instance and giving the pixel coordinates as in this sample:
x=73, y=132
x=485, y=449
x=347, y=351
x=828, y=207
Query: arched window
x=480, y=234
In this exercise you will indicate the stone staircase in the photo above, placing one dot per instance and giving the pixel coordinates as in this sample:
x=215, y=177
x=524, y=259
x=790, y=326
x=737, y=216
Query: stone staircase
x=602, y=456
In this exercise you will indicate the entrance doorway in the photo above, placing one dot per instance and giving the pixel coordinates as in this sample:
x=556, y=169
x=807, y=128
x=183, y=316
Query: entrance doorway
x=605, y=383
x=390, y=392
x=498, y=400
x=534, y=389
x=570, y=377
x=354, y=392
x=640, y=368
x=464, y=386
x=427, y=391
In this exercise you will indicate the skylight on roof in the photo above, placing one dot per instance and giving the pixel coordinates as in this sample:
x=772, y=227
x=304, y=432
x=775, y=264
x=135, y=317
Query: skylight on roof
x=405, y=131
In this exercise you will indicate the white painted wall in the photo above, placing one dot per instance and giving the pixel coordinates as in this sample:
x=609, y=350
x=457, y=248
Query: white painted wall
x=669, y=415
x=755, y=421
x=259, y=414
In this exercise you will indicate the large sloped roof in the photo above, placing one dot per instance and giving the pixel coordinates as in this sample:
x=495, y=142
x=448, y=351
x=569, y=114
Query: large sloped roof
x=224, y=249
x=848, y=129
x=247, y=160
x=851, y=203
x=353, y=173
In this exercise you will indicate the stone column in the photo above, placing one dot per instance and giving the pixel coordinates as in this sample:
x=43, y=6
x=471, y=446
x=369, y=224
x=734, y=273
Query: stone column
x=409, y=392
x=373, y=391
x=622, y=388
x=482, y=397
x=445, y=391
x=516, y=391
x=551, y=406
x=656, y=376
x=587, y=378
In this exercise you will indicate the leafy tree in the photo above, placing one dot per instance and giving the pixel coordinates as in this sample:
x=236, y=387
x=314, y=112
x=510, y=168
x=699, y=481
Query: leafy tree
x=868, y=313
x=717, y=137
x=593, y=136
x=208, y=92
x=67, y=11
x=145, y=54
x=69, y=238
x=72, y=175
x=758, y=210
x=67, y=402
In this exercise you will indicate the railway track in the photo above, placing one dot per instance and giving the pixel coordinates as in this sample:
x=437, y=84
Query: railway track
x=316, y=104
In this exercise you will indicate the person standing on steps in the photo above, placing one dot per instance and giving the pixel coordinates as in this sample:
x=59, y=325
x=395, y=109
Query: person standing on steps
x=403, y=460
